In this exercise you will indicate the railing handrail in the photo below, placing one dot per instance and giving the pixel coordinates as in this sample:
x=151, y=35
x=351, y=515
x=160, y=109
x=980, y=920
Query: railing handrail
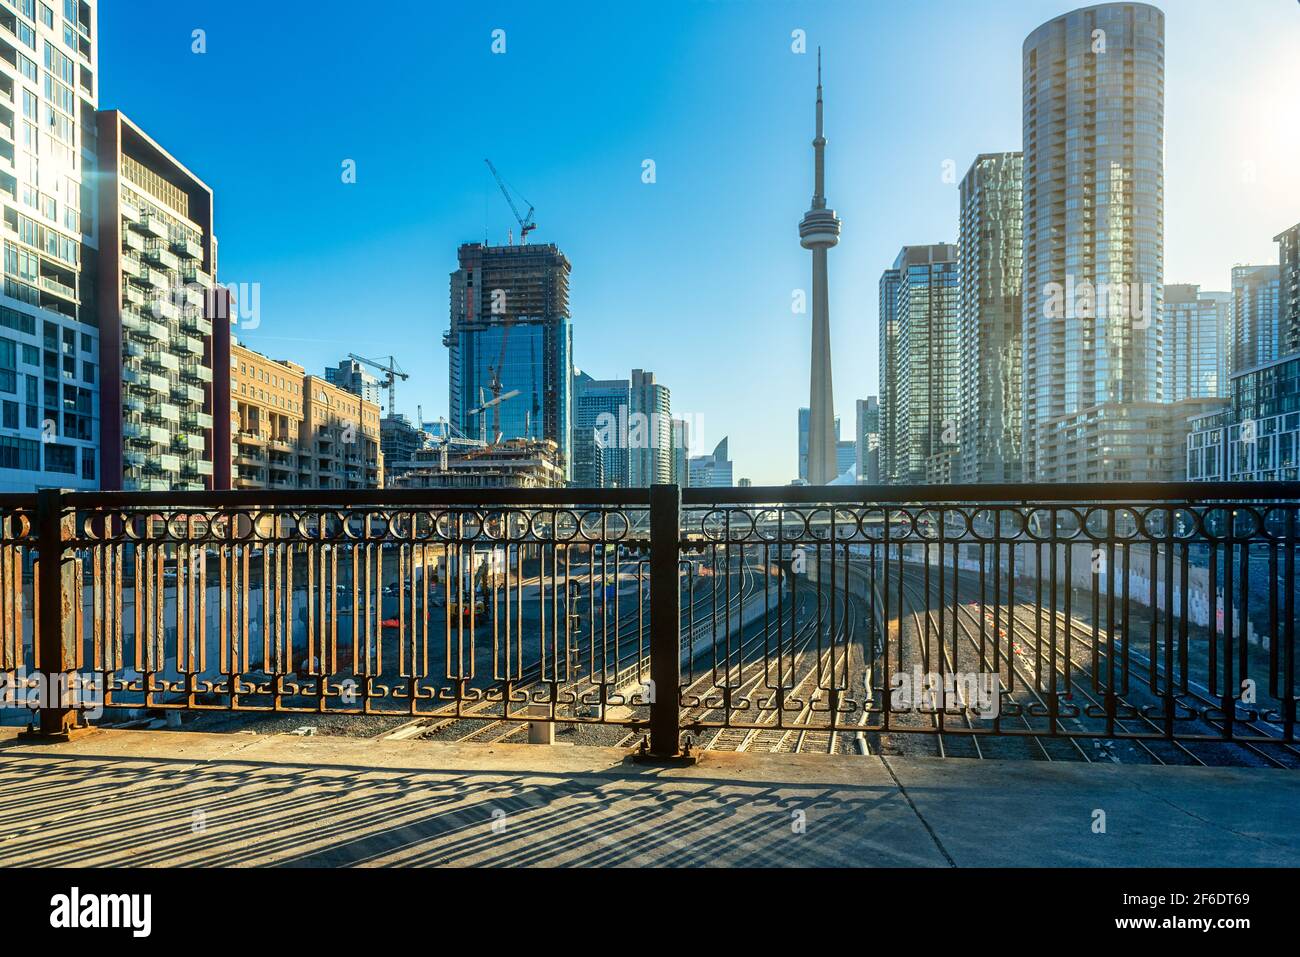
x=1080, y=493
x=361, y=498
x=1076, y=492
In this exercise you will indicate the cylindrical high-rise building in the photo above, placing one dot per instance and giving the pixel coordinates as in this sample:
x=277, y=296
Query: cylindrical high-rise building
x=1093, y=229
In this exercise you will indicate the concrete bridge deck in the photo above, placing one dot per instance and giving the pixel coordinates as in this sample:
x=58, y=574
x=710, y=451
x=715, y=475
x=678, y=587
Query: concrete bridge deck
x=147, y=798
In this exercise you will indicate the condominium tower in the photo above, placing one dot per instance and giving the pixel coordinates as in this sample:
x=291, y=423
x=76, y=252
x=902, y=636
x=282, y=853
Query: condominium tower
x=50, y=362
x=1193, y=342
x=1093, y=136
x=989, y=321
x=1256, y=314
x=164, y=331
x=919, y=374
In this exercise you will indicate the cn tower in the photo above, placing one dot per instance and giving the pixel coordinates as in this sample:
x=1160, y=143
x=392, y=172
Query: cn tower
x=819, y=230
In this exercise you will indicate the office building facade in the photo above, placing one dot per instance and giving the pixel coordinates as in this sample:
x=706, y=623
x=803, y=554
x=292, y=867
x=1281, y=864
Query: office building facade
x=650, y=445
x=713, y=470
x=1093, y=227
x=990, y=417
x=600, y=413
x=866, y=437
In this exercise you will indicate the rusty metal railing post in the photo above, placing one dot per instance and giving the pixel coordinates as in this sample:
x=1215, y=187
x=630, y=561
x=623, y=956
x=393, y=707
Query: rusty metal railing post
x=665, y=621
x=58, y=618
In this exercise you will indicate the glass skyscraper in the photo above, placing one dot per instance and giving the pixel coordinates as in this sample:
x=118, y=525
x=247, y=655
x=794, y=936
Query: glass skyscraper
x=1256, y=315
x=1093, y=124
x=888, y=371
x=1193, y=343
x=599, y=455
x=920, y=378
x=1288, y=250
x=50, y=361
x=988, y=321
x=511, y=337
x=650, y=442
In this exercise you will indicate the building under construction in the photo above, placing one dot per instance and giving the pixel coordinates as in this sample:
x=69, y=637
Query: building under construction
x=510, y=345
x=512, y=463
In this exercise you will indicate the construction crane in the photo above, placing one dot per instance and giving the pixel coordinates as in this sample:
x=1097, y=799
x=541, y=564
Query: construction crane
x=448, y=435
x=394, y=373
x=495, y=405
x=526, y=224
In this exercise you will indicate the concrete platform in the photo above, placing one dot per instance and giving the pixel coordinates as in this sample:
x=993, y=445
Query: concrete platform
x=149, y=798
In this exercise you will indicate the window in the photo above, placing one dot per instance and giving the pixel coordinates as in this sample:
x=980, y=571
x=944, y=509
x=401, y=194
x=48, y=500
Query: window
x=9, y=418
x=8, y=363
x=47, y=16
x=88, y=464
x=88, y=371
x=31, y=355
x=27, y=67
x=18, y=453
x=60, y=458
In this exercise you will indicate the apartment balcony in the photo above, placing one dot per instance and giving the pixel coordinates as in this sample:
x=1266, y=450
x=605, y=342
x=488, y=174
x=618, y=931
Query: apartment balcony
x=50, y=284
x=192, y=273
x=133, y=296
x=155, y=252
x=196, y=372
x=151, y=225
x=188, y=394
x=194, y=296
x=131, y=267
x=187, y=441
x=156, y=278
x=252, y=438
x=160, y=360
x=187, y=249
x=142, y=382
x=166, y=309
x=166, y=463
x=188, y=345
x=133, y=241
x=196, y=324
x=163, y=412
x=196, y=420
x=145, y=433
x=143, y=327
x=130, y=214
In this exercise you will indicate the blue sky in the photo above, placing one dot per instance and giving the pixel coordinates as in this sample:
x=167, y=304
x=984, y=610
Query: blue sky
x=690, y=276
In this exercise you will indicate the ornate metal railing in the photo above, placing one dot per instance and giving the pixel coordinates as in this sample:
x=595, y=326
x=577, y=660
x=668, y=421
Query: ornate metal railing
x=776, y=617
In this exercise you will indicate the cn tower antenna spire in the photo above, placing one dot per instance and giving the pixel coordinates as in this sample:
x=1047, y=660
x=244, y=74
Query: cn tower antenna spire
x=819, y=230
